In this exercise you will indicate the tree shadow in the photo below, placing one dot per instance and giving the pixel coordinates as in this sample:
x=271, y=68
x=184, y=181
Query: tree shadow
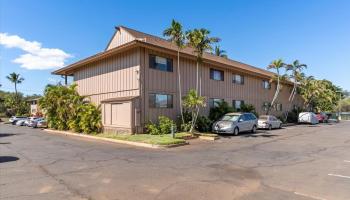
x=4, y=159
x=7, y=134
x=5, y=142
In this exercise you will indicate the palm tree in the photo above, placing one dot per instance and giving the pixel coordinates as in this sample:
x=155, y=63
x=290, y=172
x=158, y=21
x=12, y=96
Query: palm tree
x=296, y=75
x=176, y=35
x=219, y=52
x=277, y=65
x=15, y=79
x=201, y=42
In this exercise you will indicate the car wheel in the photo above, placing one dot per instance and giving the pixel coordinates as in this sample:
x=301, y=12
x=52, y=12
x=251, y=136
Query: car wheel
x=280, y=126
x=236, y=131
x=254, y=129
x=270, y=127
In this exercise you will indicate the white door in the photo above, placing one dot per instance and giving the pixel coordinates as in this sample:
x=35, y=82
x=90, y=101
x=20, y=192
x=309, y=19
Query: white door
x=121, y=114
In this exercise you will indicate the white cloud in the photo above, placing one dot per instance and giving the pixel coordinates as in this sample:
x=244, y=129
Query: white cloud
x=36, y=57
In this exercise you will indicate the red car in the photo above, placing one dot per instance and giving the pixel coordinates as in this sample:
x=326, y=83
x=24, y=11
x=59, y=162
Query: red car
x=322, y=117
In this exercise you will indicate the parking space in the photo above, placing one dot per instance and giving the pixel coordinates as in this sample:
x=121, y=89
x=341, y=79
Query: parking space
x=297, y=162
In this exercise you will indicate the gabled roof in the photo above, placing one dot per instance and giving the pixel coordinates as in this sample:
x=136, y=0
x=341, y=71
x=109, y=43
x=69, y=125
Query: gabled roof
x=147, y=40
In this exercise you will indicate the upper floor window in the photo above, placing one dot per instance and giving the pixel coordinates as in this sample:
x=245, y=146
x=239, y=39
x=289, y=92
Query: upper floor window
x=160, y=63
x=160, y=100
x=217, y=75
x=213, y=102
x=238, y=79
x=237, y=104
x=266, y=84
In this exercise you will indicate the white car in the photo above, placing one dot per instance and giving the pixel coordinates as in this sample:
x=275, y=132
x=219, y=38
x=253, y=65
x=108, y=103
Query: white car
x=14, y=119
x=27, y=122
x=269, y=122
x=308, y=117
x=234, y=123
x=21, y=122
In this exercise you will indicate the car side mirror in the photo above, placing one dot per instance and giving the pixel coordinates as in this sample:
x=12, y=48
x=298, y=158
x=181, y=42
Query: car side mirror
x=240, y=120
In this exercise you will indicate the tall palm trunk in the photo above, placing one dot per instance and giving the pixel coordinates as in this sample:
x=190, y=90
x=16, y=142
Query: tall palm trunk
x=179, y=85
x=197, y=74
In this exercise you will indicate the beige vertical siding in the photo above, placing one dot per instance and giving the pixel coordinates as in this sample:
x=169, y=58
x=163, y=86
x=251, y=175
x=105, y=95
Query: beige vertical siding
x=116, y=76
x=120, y=37
x=252, y=92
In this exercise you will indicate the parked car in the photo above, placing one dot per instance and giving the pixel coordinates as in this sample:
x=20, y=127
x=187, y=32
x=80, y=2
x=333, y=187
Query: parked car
x=269, y=122
x=39, y=123
x=234, y=123
x=21, y=122
x=32, y=122
x=322, y=117
x=307, y=117
x=14, y=119
x=26, y=123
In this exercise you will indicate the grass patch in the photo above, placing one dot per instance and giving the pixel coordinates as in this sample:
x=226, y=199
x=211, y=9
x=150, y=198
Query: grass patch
x=207, y=134
x=144, y=138
x=183, y=135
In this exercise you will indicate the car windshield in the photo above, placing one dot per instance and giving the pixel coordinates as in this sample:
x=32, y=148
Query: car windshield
x=230, y=117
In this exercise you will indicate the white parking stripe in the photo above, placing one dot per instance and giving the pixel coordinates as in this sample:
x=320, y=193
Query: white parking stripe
x=346, y=160
x=338, y=175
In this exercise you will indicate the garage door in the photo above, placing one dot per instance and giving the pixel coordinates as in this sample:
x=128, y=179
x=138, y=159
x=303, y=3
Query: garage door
x=118, y=114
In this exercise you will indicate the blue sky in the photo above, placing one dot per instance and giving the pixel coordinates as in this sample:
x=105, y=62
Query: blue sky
x=317, y=32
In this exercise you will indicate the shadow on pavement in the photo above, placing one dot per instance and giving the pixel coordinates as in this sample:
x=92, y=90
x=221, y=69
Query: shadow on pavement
x=4, y=159
x=5, y=142
x=7, y=134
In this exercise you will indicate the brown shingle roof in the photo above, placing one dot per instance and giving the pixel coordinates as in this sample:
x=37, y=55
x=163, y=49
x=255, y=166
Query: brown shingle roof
x=157, y=41
x=147, y=39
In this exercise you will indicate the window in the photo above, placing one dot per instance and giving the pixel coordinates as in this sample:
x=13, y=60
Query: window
x=237, y=104
x=217, y=75
x=266, y=106
x=161, y=101
x=238, y=79
x=215, y=102
x=160, y=63
x=278, y=107
x=266, y=84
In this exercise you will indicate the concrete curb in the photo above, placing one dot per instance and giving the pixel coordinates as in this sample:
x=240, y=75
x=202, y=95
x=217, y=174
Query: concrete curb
x=289, y=124
x=202, y=137
x=138, y=144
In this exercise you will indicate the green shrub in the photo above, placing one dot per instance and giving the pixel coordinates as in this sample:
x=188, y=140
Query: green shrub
x=203, y=124
x=249, y=108
x=220, y=110
x=187, y=119
x=152, y=129
x=65, y=109
x=164, y=126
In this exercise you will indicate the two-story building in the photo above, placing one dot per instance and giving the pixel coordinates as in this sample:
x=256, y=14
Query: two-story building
x=135, y=81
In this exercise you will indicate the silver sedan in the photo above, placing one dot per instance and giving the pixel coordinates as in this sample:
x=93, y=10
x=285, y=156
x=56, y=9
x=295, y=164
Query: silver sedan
x=269, y=122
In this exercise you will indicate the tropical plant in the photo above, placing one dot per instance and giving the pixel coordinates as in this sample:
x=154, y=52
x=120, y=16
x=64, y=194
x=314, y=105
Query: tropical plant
x=193, y=102
x=164, y=126
x=296, y=75
x=15, y=79
x=320, y=95
x=66, y=109
x=276, y=65
x=249, y=108
x=219, y=52
x=219, y=110
x=200, y=41
x=203, y=124
x=176, y=35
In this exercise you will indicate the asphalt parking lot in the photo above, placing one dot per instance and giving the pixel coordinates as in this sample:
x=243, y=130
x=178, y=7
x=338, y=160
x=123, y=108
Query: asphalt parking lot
x=299, y=162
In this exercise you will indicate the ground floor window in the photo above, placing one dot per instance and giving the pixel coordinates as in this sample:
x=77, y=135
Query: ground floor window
x=278, y=107
x=160, y=100
x=237, y=104
x=213, y=102
x=266, y=106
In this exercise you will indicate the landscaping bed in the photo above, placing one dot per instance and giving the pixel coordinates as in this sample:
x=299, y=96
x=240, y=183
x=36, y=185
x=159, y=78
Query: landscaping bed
x=146, y=138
